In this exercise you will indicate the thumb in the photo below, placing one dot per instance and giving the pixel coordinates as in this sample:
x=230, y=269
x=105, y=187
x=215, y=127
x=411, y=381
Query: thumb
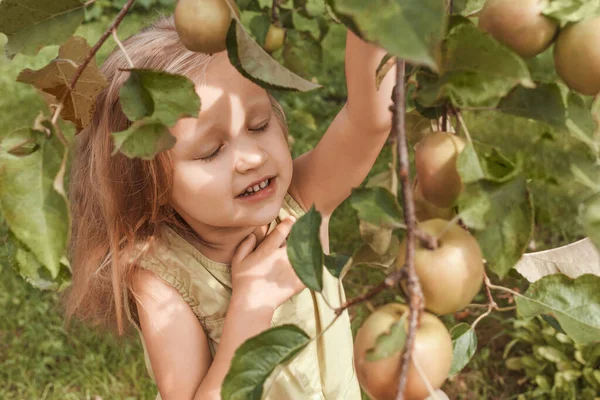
x=244, y=249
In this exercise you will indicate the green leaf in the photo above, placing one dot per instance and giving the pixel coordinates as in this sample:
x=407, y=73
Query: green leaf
x=571, y=10
x=365, y=255
x=257, y=65
x=304, y=250
x=376, y=237
x=302, y=54
x=464, y=344
x=476, y=71
x=543, y=103
x=37, y=275
x=309, y=25
x=35, y=211
x=582, y=122
x=486, y=163
x=55, y=80
x=409, y=29
x=258, y=24
x=256, y=359
x=33, y=24
x=143, y=139
x=573, y=302
x=590, y=216
x=502, y=215
x=388, y=344
x=335, y=263
x=163, y=96
x=468, y=165
x=465, y=7
x=377, y=206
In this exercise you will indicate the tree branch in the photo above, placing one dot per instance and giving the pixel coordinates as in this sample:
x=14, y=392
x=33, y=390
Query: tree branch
x=414, y=288
x=118, y=19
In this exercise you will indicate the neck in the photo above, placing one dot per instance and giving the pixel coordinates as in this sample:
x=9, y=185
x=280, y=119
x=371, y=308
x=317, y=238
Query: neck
x=221, y=244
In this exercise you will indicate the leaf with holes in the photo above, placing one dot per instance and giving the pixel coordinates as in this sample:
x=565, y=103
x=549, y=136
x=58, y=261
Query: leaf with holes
x=55, y=79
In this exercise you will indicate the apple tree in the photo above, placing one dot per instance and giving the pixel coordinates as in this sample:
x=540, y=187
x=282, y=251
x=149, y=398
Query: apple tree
x=498, y=98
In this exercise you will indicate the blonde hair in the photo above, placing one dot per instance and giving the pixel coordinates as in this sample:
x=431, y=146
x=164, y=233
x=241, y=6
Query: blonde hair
x=117, y=202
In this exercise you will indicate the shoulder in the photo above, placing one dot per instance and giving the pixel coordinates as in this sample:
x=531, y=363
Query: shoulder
x=174, y=338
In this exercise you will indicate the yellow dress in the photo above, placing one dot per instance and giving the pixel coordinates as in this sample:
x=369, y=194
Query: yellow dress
x=324, y=370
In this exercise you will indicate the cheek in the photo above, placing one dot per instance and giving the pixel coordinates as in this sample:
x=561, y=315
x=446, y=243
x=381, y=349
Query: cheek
x=191, y=185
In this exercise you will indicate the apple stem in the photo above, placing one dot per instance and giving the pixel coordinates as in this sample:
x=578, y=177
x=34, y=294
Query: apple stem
x=429, y=241
x=415, y=292
x=118, y=19
x=275, y=14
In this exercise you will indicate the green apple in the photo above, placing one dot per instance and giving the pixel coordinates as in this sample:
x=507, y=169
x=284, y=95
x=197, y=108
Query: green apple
x=450, y=275
x=432, y=351
x=519, y=24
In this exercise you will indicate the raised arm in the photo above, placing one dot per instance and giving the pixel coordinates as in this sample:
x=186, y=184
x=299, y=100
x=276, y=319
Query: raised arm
x=342, y=159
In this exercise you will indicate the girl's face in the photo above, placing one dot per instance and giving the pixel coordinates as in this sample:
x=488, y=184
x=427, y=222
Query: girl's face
x=235, y=141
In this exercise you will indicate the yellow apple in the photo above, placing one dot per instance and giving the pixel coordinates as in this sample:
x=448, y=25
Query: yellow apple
x=202, y=25
x=435, y=161
x=577, y=56
x=519, y=24
x=450, y=275
x=424, y=210
x=432, y=351
x=274, y=39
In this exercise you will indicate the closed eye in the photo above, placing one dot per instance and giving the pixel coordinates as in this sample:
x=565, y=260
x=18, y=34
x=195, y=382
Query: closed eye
x=213, y=155
x=262, y=127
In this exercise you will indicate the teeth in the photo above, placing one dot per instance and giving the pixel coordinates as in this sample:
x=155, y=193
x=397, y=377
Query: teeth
x=256, y=188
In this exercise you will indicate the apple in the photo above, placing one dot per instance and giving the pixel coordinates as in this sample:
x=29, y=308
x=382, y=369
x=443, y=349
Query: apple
x=450, y=275
x=577, y=56
x=519, y=24
x=432, y=351
x=202, y=25
x=424, y=210
x=435, y=161
x=274, y=39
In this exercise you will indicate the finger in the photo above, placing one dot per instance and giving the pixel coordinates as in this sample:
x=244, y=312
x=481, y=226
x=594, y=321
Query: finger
x=244, y=249
x=278, y=236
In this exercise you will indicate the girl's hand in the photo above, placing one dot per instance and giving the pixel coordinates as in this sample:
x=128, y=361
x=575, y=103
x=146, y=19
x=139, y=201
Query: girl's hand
x=264, y=277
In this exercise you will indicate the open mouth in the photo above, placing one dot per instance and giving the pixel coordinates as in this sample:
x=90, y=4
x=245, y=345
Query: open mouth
x=257, y=189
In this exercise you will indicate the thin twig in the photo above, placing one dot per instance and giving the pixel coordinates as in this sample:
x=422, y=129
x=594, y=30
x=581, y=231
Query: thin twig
x=118, y=19
x=414, y=288
x=463, y=125
x=482, y=316
x=390, y=282
x=116, y=38
x=89, y=3
x=275, y=14
x=491, y=302
x=505, y=289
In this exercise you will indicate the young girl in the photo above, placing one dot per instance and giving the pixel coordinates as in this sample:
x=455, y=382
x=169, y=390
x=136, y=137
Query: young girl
x=178, y=246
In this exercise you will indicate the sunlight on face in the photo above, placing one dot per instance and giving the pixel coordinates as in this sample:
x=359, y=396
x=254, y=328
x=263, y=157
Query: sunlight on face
x=235, y=141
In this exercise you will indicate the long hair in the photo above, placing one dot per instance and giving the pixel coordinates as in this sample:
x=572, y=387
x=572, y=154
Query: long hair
x=118, y=203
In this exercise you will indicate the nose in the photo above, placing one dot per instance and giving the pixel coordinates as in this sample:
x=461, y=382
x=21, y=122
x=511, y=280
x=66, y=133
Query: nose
x=249, y=155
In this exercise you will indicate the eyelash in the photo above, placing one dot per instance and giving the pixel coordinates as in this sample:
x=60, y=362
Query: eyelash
x=216, y=153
